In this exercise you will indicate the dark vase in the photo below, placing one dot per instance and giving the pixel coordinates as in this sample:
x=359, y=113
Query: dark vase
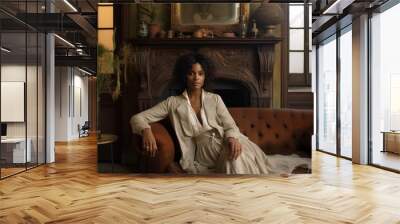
x=268, y=16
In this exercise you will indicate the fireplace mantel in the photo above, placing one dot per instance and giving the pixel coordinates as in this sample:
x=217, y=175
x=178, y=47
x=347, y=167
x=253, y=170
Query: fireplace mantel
x=249, y=61
x=205, y=41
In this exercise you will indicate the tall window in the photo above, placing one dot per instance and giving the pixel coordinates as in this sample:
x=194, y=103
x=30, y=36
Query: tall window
x=327, y=95
x=334, y=97
x=385, y=88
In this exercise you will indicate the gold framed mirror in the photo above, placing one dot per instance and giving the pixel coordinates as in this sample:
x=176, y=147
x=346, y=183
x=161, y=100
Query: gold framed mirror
x=219, y=17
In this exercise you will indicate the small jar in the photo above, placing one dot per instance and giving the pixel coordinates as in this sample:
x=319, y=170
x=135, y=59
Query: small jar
x=243, y=27
x=143, y=29
x=254, y=30
x=170, y=34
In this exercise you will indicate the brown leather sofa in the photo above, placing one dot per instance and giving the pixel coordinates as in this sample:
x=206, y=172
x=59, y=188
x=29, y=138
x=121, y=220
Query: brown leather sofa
x=276, y=131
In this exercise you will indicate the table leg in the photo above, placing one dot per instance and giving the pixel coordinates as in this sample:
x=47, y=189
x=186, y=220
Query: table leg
x=112, y=157
x=384, y=142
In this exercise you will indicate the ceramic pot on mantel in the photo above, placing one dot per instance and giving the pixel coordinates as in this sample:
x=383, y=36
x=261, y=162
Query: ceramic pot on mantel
x=268, y=17
x=154, y=30
x=143, y=30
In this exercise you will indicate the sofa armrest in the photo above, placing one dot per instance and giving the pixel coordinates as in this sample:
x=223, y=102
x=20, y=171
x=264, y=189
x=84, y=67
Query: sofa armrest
x=165, y=153
x=166, y=150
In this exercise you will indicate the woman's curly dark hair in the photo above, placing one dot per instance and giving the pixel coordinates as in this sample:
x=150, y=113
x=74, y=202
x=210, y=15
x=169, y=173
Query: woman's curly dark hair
x=184, y=65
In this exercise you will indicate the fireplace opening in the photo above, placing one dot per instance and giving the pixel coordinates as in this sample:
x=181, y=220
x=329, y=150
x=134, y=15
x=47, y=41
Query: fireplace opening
x=233, y=93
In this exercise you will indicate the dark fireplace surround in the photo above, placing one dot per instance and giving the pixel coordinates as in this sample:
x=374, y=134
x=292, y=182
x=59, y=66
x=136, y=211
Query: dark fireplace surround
x=242, y=75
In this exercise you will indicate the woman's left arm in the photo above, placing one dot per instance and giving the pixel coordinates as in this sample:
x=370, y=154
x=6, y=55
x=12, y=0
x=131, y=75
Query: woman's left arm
x=227, y=122
x=231, y=131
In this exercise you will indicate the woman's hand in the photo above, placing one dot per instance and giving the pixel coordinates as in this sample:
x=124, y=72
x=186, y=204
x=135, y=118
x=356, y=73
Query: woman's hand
x=149, y=142
x=235, y=148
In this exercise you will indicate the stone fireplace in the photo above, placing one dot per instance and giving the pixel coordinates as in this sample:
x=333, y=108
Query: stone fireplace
x=242, y=76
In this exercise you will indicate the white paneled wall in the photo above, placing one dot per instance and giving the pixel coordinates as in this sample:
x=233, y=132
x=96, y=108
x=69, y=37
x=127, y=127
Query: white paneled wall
x=71, y=102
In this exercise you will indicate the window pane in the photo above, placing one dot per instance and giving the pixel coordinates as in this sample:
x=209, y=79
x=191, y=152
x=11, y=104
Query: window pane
x=346, y=94
x=394, y=101
x=310, y=15
x=105, y=38
x=296, y=39
x=327, y=97
x=296, y=62
x=296, y=16
x=105, y=17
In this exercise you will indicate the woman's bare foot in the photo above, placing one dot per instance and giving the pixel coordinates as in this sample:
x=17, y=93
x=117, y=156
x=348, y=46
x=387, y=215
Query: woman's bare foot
x=284, y=175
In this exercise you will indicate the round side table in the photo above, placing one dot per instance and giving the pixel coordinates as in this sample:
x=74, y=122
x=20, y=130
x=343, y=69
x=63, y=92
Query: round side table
x=108, y=139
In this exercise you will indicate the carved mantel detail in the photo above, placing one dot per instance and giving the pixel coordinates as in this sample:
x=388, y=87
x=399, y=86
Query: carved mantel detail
x=249, y=62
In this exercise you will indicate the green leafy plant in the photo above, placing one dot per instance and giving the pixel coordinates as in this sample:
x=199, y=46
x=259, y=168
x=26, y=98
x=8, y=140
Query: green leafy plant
x=113, y=69
x=104, y=65
x=148, y=13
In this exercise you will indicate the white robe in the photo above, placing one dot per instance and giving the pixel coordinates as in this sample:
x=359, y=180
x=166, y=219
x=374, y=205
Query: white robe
x=212, y=153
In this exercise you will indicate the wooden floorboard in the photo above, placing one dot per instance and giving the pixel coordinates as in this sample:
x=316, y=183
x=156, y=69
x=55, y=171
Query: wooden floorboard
x=71, y=191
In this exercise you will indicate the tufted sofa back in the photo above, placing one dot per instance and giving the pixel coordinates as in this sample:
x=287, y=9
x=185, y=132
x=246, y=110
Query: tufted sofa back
x=276, y=131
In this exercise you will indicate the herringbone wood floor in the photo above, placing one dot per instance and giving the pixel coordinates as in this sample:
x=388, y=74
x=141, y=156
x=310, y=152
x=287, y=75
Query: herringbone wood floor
x=71, y=191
